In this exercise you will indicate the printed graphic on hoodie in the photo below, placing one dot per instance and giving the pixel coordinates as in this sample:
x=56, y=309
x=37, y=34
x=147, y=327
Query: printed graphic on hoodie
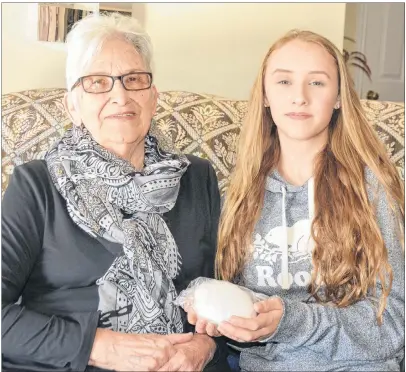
x=271, y=249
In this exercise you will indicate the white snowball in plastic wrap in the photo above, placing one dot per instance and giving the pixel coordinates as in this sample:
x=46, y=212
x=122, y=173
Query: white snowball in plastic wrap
x=217, y=301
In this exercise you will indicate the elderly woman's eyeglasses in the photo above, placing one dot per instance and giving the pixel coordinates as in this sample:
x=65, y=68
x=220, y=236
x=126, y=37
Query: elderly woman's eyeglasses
x=104, y=83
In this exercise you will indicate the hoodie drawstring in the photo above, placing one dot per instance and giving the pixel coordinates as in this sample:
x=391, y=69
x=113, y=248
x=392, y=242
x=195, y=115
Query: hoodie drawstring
x=285, y=252
x=310, y=199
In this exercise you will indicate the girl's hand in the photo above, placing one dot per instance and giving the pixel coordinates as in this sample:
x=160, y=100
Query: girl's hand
x=270, y=313
x=201, y=325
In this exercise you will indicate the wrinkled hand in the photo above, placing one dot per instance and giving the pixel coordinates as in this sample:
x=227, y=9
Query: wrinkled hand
x=201, y=325
x=192, y=356
x=134, y=352
x=269, y=311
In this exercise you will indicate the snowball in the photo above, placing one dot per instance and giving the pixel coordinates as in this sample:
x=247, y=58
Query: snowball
x=217, y=301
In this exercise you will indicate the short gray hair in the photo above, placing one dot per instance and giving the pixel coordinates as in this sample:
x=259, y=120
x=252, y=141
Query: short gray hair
x=87, y=36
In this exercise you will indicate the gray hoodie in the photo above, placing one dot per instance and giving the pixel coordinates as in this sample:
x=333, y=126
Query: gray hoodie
x=311, y=336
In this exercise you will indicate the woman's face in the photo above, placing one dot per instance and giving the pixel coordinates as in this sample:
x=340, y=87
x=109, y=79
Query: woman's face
x=301, y=88
x=102, y=114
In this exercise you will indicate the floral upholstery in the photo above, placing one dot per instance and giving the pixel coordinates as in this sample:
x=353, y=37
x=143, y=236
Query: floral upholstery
x=203, y=125
x=200, y=124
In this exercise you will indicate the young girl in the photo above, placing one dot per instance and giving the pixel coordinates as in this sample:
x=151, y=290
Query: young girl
x=313, y=218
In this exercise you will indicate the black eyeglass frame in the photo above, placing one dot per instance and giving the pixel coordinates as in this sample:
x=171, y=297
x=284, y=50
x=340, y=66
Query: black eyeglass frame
x=114, y=78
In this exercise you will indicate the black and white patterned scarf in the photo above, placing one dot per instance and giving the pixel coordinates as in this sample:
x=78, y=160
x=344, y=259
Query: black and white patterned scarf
x=107, y=196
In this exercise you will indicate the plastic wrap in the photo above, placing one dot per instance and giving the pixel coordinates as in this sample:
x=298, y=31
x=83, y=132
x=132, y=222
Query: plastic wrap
x=217, y=300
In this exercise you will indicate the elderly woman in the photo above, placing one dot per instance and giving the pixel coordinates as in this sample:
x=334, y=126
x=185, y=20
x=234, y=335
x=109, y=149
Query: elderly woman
x=98, y=238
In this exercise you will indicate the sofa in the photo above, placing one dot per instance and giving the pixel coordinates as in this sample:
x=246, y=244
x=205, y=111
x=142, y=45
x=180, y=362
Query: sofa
x=200, y=124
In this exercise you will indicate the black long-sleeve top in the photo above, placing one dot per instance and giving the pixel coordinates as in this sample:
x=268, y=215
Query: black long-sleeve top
x=52, y=265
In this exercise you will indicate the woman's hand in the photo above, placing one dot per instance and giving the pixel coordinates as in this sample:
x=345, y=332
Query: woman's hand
x=201, y=325
x=192, y=356
x=134, y=352
x=262, y=326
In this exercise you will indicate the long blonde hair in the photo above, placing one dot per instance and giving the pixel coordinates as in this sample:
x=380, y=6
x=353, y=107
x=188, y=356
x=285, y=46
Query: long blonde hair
x=349, y=254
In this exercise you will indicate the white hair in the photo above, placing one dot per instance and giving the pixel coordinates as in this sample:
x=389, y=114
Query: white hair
x=87, y=36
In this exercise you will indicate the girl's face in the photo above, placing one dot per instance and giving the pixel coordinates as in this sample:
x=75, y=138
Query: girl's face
x=301, y=89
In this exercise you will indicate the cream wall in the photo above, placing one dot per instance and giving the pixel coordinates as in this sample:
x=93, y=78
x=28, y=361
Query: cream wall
x=350, y=30
x=218, y=48
x=209, y=48
x=26, y=62
x=350, y=26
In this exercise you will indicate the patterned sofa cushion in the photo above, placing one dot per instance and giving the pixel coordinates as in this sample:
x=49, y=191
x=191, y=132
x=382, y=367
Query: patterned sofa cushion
x=203, y=125
x=388, y=120
x=200, y=124
x=31, y=121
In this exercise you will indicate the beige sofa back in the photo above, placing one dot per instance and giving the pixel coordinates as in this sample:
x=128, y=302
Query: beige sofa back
x=198, y=124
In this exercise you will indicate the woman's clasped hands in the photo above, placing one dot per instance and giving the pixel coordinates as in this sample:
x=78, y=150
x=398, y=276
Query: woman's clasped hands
x=151, y=352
